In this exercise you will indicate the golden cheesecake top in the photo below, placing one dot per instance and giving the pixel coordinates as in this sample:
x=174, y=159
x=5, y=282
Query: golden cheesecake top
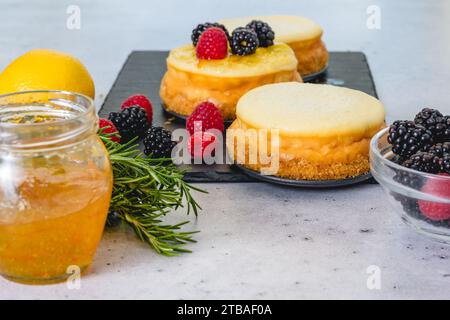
x=288, y=29
x=276, y=58
x=311, y=110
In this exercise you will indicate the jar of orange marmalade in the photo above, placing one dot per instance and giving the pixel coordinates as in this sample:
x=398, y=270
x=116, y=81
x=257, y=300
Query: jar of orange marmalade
x=55, y=185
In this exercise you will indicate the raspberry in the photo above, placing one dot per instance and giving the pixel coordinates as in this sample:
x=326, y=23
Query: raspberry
x=436, y=211
x=141, y=101
x=109, y=128
x=212, y=45
x=198, y=143
x=207, y=116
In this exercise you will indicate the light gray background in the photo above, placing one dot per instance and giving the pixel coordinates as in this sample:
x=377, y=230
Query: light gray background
x=258, y=240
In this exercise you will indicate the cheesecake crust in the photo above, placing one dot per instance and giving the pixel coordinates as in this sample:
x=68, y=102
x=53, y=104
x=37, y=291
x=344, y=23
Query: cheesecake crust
x=302, y=169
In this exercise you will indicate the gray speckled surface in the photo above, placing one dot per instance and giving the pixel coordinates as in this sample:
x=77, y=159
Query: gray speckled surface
x=258, y=240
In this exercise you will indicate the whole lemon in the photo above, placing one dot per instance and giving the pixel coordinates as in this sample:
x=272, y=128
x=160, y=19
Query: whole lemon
x=44, y=69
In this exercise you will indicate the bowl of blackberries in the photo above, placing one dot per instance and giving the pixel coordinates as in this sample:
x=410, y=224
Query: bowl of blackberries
x=411, y=161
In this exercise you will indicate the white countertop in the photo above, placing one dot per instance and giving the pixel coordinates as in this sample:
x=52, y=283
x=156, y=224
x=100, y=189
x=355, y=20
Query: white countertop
x=260, y=241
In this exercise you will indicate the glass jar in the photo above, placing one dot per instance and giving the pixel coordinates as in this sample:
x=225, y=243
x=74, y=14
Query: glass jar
x=55, y=185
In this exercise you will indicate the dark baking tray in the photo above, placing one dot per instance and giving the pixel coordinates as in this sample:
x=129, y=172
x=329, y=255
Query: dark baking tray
x=306, y=183
x=316, y=75
x=143, y=71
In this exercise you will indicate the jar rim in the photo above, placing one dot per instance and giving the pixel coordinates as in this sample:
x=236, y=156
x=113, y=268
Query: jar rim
x=90, y=105
x=64, y=116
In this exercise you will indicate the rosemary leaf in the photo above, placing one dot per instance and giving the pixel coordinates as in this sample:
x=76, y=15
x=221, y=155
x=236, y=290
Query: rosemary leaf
x=144, y=191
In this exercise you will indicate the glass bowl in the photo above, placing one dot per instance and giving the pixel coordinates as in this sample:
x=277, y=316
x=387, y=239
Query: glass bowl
x=412, y=193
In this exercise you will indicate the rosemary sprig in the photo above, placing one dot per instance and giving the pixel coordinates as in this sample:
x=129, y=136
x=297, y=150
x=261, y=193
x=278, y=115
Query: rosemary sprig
x=144, y=191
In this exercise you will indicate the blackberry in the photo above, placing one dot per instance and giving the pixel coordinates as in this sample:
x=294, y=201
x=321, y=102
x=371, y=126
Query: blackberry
x=407, y=138
x=408, y=179
x=264, y=32
x=113, y=219
x=158, y=143
x=409, y=205
x=397, y=159
x=424, y=162
x=434, y=121
x=198, y=30
x=445, y=164
x=244, y=41
x=131, y=122
x=440, y=149
x=426, y=114
x=442, y=129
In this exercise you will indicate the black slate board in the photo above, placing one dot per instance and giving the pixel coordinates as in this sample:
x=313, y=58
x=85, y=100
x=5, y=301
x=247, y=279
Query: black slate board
x=143, y=71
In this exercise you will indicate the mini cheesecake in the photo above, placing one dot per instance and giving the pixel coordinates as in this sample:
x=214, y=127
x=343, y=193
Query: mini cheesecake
x=323, y=131
x=190, y=81
x=303, y=35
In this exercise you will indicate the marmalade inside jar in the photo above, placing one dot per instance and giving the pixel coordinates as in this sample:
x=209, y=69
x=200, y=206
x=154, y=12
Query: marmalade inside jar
x=55, y=185
x=57, y=222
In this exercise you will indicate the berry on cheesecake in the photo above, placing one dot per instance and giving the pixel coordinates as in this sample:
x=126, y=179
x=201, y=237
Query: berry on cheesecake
x=244, y=41
x=130, y=122
x=212, y=44
x=205, y=116
x=266, y=35
x=141, y=101
x=199, y=29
